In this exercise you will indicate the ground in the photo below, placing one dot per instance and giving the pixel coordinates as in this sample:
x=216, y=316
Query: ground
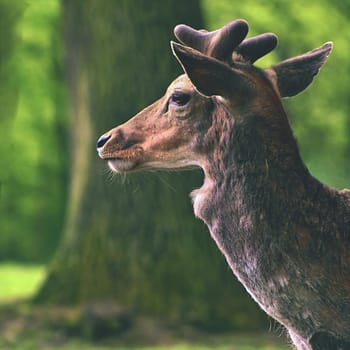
x=26, y=326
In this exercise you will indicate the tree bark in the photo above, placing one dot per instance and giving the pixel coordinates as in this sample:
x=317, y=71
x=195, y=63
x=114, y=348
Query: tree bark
x=133, y=240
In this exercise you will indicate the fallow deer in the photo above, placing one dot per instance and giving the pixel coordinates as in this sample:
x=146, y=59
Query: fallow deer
x=285, y=235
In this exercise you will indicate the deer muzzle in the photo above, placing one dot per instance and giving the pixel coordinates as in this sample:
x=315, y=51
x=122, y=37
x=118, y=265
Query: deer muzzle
x=121, y=149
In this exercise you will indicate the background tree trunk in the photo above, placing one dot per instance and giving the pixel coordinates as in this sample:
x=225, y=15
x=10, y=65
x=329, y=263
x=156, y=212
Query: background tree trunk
x=9, y=16
x=134, y=240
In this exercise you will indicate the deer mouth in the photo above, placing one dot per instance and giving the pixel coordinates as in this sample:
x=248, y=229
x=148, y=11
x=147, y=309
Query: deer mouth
x=136, y=159
x=123, y=165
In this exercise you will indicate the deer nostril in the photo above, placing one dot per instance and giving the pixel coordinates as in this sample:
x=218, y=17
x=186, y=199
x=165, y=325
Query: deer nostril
x=102, y=140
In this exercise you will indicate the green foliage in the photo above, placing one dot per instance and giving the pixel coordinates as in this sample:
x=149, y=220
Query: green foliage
x=33, y=164
x=320, y=116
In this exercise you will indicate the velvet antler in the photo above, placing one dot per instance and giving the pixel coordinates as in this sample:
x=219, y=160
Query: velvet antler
x=227, y=44
x=219, y=43
x=256, y=47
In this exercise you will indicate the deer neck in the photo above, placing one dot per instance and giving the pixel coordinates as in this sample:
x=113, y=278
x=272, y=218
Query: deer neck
x=254, y=181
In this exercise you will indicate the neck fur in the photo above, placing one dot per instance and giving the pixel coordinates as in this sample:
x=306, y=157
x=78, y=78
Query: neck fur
x=254, y=183
x=252, y=163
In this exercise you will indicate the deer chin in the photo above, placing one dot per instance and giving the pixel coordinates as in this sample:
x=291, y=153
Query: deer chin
x=177, y=165
x=120, y=165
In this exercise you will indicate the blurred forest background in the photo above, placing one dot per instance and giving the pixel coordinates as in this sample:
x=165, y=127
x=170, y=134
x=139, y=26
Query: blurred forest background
x=69, y=71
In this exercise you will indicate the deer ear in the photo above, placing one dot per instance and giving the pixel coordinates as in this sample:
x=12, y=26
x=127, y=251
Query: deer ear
x=296, y=74
x=208, y=75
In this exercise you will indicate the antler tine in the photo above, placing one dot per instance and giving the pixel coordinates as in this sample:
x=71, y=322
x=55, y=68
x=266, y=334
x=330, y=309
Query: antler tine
x=219, y=43
x=256, y=47
x=228, y=44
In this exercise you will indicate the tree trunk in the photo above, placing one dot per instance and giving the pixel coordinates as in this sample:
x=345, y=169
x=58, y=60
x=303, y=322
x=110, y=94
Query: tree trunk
x=10, y=14
x=133, y=240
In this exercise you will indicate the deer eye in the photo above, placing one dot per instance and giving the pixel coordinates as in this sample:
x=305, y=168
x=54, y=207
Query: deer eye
x=179, y=98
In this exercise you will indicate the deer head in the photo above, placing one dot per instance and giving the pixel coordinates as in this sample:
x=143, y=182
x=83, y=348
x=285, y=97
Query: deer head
x=219, y=76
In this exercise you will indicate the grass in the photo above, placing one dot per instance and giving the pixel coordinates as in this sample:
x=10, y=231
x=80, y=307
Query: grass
x=18, y=281
x=24, y=326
